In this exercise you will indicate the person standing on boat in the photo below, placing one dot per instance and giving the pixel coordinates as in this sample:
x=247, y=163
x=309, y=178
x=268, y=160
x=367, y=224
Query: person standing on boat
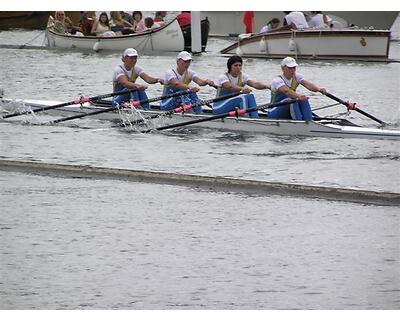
x=284, y=86
x=178, y=79
x=234, y=81
x=125, y=76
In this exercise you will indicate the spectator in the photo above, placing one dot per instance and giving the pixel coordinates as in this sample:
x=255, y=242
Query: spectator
x=271, y=26
x=160, y=16
x=101, y=27
x=184, y=18
x=149, y=23
x=138, y=23
x=295, y=19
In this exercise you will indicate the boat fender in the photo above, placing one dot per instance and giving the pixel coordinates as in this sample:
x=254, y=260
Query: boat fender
x=239, y=51
x=96, y=46
x=292, y=45
x=263, y=45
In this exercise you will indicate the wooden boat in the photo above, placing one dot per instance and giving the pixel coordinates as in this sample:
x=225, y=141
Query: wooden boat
x=167, y=38
x=23, y=19
x=348, y=44
x=187, y=35
x=319, y=127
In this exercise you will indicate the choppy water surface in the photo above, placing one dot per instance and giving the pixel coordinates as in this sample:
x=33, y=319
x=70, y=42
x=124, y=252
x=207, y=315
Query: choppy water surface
x=75, y=243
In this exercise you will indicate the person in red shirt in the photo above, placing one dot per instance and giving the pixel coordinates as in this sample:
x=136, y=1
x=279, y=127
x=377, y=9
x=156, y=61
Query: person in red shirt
x=184, y=18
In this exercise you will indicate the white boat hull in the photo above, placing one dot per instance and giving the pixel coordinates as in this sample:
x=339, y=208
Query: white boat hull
x=323, y=128
x=167, y=38
x=349, y=44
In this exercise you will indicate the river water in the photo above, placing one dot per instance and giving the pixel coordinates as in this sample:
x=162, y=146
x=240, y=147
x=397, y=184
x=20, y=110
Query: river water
x=103, y=244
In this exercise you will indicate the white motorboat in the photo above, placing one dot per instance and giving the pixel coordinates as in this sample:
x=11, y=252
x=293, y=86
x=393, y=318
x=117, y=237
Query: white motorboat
x=349, y=44
x=230, y=23
x=319, y=127
x=167, y=38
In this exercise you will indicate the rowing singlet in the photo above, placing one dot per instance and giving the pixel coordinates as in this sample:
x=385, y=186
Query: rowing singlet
x=132, y=75
x=279, y=82
x=186, y=78
x=240, y=80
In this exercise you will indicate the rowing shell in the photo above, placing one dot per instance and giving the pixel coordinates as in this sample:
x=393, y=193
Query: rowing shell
x=323, y=127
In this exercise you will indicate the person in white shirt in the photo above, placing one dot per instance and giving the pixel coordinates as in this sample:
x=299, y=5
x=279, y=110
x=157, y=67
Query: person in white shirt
x=236, y=81
x=296, y=19
x=125, y=76
x=284, y=86
x=319, y=20
x=178, y=79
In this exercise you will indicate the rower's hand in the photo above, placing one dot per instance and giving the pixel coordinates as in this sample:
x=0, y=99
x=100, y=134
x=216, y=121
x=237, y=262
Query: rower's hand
x=193, y=89
x=211, y=83
x=322, y=90
x=246, y=90
x=160, y=81
x=141, y=87
x=302, y=97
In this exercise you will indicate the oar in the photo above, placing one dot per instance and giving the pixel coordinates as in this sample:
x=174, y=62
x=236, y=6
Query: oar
x=76, y=101
x=187, y=108
x=135, y=103
x=352, y=106
x=222, y=115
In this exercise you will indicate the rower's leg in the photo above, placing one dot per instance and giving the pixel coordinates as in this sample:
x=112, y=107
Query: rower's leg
x=295, y=112
x=119, y=100
x=281, y=112
x=251, y=103
x=193, y=99
x=305, y=109
x=139, y=96
x=227, y=105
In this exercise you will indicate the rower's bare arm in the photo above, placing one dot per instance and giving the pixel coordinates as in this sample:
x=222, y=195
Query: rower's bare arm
x=312, y=87
x=202, y=82
x=258, y=85
x=183, y=86
x=151, y=80
x=123, y=80
x=291, y=93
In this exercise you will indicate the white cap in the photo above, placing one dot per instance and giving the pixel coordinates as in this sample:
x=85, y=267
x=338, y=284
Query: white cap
x=184, y=55
x=130, y=52
x=289, y=62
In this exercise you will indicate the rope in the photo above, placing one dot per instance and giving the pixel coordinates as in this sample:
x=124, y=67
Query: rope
x=41, y=33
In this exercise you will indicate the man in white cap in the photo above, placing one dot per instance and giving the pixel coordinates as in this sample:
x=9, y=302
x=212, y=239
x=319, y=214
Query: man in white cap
x=284, y=86
x=178, y=79
x=125, y=76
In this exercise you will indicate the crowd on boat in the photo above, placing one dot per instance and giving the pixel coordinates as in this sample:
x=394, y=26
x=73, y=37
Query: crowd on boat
x=180, y=78
x=293, y=20
x=115, y=23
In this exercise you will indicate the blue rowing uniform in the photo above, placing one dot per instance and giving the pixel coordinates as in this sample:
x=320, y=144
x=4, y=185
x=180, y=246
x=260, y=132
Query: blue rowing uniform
x=136, y=95
x=246, y=101
x=187, y=99
x=299, y=110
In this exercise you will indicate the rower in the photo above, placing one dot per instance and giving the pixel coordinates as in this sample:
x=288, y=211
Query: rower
x=178, y=79
x=284, y=86
x=234, y=81
x=125, y=76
